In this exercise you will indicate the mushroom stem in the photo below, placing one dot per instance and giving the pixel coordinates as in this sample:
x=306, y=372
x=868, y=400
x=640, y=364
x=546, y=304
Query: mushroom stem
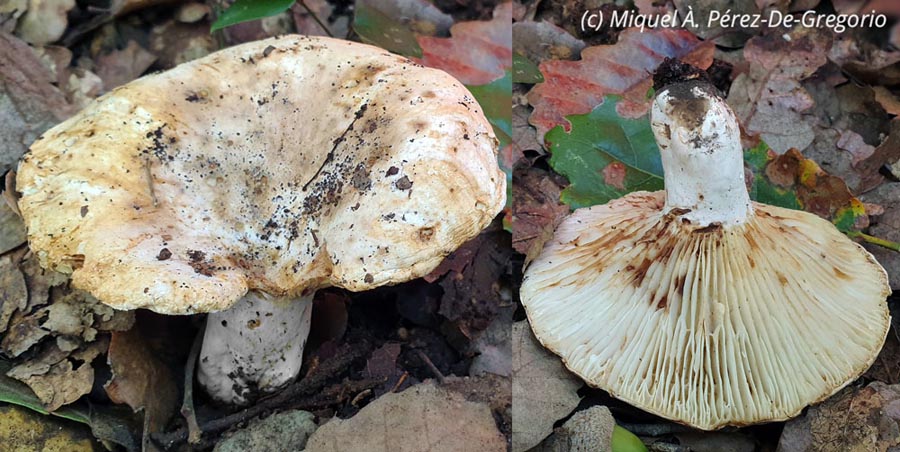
x=702, y=157
x=255, y=346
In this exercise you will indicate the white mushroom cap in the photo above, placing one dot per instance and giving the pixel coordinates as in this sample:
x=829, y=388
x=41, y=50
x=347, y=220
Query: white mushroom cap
x=283, y=165
x=731, y=316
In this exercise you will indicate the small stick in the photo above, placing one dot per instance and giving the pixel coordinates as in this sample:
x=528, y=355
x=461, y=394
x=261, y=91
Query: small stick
x=316, y=18
x=437, y=373
x=187, y=406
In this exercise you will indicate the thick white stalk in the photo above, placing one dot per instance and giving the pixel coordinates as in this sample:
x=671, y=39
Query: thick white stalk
x=255, y=346
x=700, y=145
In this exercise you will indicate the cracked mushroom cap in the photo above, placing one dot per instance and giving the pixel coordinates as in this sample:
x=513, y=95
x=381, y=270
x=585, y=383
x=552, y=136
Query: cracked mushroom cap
x=709, y=311
x=283, y=165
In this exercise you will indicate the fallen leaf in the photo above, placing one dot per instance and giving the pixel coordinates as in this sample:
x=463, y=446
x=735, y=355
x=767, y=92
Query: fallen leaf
x=494, y=347
x=141, y=380
x=10, y=12
x=717, y=441
x=599, y=139
x=721, y=32
x=175, y=43
x=887, y=153
x=603, y=137
x=29, y=103
x=769, y=100
x=13, y=291
x=524, y=134
x=543, y=390
x=12, y=229
x=887, y=99
x=856, y=419
x=886, y=226
x=424, y=417
x=536, y=210
x=624, y=68
x=382, y=363
x=477, y=53
x=472, y=296
x=28, y=430
x=540, y=41
x=305, y=16
x=45, y=21
x=54, y=378
x=122, y=66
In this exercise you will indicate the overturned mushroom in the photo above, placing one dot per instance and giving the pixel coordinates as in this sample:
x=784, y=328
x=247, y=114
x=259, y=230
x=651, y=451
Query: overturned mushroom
x=697, y=304
x=261, y=173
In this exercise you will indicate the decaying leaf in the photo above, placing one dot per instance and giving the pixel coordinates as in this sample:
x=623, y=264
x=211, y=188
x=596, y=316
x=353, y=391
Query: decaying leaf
x=543, y=390
x=856, y=419
x=57, y=377
x=12, y=229
x=886, y=226
x=424, y=417
x=536, y=210
x=576, y=87
x=539, y=41
x=13, y=291
x=140, y=379
x=769, y=100
x=587, y=430
x=45, y=21
x=478, y=52
x=472, y=294
x=122, y=66
x=29, y=102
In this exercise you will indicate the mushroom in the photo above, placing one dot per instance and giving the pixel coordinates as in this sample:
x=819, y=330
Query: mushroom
x=240, y=183
x=695, y=303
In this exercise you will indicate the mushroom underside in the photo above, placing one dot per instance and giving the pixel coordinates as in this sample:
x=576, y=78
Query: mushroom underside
x=709, y=326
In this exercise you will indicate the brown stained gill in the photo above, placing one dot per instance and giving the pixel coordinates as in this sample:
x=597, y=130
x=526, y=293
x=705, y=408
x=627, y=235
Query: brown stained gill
x=840, y=274
x=781, y=278
x=712, y=227
x=679, y=284
x=663, y=302
x=640, y=272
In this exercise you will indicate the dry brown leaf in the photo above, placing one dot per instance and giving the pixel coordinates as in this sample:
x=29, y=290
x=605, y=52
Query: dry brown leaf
x=887, y=227
x=543, y=390
x=29, y=103
x=45, y=21
x=536, y=210
x=12, y=229
x=13, y=291
x=887, y=99
x=887, y=153
x=587, y=430
x=122, y=66
x=54, y=378
x=141, y=380
x=856, y=419
x=769, y=100
x=425, y=417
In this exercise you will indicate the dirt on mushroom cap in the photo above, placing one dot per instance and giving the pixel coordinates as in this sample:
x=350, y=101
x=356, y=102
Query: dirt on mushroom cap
x=707, y=326
x=281, y=165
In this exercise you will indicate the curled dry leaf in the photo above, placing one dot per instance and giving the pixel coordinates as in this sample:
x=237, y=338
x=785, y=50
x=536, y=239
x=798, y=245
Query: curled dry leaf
x=424, y=417
x=13, y=291
x=58, y=377
x=886, y=226
x=624, y=68
x=543, y=390
x=769, y=100
x=140, y=379
x=478, y=52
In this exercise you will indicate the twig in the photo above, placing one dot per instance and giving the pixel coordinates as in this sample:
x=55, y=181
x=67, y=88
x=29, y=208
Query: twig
x=312, y=383
x=187, y=406
x=434, y=370
x=316, y=18
x=875, y=240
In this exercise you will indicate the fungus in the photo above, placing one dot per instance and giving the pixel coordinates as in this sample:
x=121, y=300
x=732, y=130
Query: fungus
x=240, y=183
x=695, y=303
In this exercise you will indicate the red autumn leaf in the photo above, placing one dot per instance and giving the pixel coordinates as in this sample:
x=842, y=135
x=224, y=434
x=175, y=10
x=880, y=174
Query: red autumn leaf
x=624, y=68
x=478, y=52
